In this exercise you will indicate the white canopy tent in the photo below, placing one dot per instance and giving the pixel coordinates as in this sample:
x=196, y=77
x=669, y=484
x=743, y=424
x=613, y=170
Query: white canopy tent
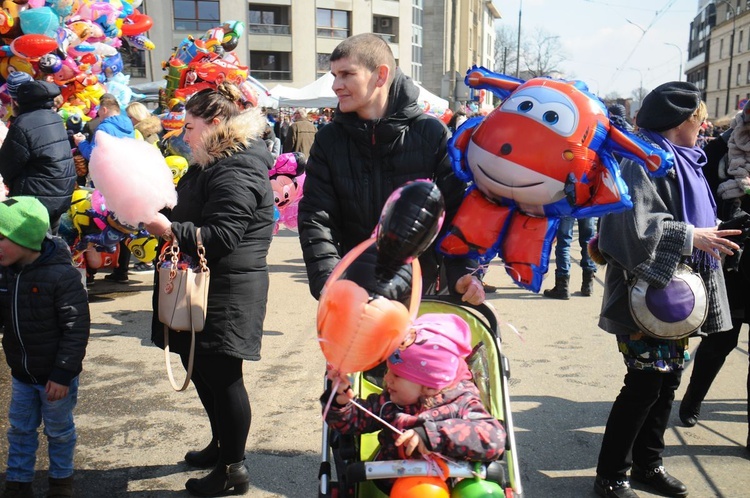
x=320, y=93
x=315, y=95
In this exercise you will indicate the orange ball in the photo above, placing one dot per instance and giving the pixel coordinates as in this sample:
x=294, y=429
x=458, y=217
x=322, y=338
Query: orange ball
x=420, y=487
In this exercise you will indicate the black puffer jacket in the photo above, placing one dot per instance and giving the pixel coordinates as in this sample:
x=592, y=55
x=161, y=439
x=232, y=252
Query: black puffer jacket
x=35, y=158
x=228, y=196
x=45, y=311
x=355, y=165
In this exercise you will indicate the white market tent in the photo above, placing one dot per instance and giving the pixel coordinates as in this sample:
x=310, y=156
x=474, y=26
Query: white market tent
x=320, y=94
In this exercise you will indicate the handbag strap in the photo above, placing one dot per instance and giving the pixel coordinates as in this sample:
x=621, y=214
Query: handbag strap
x=191, y=357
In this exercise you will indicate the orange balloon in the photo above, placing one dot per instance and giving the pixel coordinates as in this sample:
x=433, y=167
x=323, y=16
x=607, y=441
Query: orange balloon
x=420, y=487
x=356, y=332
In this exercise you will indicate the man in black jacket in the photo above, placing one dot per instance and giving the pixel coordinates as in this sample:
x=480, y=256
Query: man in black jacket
x=35, y=158
x=378, y=140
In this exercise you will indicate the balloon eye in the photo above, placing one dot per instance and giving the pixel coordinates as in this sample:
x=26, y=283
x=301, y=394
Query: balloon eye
x=551, y=117
x=525, y=106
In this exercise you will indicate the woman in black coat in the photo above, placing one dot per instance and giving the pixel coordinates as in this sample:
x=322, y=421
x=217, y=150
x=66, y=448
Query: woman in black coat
x=227, y=194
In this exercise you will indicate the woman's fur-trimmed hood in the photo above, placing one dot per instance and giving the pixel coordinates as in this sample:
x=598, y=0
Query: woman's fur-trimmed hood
x=229, y=137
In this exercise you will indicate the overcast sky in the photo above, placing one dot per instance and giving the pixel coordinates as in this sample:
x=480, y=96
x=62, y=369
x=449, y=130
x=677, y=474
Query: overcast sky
x=605, y=50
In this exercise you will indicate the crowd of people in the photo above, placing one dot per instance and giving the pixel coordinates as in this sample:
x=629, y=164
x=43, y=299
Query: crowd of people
x=376, y=140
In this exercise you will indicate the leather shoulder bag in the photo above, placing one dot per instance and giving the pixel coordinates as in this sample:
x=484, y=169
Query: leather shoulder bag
x=183, y=299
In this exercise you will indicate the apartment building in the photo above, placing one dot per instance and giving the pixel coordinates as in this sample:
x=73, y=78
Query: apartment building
x=727, y=83
x=289, y=41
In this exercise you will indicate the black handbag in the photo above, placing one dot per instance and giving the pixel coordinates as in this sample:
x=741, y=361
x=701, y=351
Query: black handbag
x=674, y=312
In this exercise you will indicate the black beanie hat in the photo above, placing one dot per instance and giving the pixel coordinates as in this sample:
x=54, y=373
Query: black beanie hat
x=668, y=105
x=37, y=94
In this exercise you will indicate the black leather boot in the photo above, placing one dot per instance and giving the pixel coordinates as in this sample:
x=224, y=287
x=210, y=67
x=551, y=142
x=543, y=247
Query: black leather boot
x=220, y=480
x=560, y=290
x=204, y=459
x=587, y=287
x=60, y=488
x=18, y=490
x=659, y=479
x=690, y=411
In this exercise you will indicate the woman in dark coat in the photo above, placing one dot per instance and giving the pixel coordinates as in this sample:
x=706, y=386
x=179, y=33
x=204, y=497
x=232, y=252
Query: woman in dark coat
x=226, y=194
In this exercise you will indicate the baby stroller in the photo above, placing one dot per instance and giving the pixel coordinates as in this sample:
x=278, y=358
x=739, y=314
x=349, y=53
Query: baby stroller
x=351, y=457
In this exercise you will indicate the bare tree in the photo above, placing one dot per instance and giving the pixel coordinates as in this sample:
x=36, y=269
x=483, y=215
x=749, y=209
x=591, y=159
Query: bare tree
x=638, y=95
x=541, y=54
x=506, y=41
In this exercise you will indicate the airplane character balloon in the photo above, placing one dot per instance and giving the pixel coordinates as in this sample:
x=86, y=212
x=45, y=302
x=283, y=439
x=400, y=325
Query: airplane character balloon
x=547, y=151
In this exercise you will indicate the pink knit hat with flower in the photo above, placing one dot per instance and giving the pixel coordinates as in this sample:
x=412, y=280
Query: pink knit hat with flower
x=436, y=357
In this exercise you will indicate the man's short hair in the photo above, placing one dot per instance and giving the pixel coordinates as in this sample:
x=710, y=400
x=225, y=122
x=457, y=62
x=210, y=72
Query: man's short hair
x=366, y=49
x=110, y=102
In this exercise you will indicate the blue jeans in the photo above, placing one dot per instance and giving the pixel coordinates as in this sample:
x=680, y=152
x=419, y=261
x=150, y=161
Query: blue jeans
x=28, y=407
x=586, y=228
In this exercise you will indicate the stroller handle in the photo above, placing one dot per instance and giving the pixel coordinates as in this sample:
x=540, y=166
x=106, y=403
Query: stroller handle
x=384, y=469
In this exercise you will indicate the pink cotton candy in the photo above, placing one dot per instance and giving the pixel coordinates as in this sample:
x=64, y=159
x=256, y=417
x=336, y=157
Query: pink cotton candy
x=133, y=176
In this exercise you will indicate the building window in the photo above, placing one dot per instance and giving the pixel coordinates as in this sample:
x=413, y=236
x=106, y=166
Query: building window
x=133, y=60
x=270, y=65
x=324, y=64
x=721, y=48
x=718, y=81
x=196, y=15
x=333, y=23
x=717, y=107
x=268, y=20
x=386, y=28
x=748, y=74
x=738, y=79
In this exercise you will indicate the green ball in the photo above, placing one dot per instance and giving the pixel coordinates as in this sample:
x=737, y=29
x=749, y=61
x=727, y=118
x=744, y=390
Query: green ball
x=477, y=488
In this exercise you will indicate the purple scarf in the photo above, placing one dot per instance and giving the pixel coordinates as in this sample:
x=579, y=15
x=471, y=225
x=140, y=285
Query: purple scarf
x=698, y=205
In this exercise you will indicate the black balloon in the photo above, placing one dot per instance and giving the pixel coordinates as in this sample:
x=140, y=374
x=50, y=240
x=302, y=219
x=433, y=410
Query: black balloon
x=409, y=222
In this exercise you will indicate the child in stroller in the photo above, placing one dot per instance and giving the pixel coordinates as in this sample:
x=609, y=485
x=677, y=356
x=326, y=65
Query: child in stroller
x=429, y=396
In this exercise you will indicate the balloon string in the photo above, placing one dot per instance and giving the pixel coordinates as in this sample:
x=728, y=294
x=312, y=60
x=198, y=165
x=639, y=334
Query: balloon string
x=397, y=431
x=515, y=330
x=330, y=398
x=480, y=270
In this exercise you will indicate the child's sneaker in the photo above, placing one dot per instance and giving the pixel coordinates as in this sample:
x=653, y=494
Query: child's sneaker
x=143, y=267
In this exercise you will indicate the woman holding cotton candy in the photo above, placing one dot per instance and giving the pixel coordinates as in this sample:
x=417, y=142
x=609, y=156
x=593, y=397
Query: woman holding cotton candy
x=226, y=194
x=673, y=220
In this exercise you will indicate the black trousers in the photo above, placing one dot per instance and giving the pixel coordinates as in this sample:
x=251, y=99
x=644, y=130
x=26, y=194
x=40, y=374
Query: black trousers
x=710, y=356
x=637, y=422
x=218, y=380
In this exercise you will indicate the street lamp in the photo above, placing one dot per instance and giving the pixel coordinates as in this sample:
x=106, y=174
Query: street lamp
x=731, y=52
x=640, y=88
x=679, y=75
x=518, y=42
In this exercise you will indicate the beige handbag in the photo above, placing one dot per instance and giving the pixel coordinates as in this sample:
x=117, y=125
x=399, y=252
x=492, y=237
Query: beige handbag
x=183, y=300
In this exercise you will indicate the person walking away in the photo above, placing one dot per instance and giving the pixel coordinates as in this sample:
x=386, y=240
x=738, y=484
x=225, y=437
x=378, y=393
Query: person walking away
x=673, y=219
x=301, y=133
x=379, y=139
x=586, y=230
x=35, y=158
x=227, y=195
x=44, y=308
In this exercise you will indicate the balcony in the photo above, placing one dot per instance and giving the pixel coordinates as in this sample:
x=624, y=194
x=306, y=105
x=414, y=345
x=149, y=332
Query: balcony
x=268, y=29
x=271, y=75
x=387, y=37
